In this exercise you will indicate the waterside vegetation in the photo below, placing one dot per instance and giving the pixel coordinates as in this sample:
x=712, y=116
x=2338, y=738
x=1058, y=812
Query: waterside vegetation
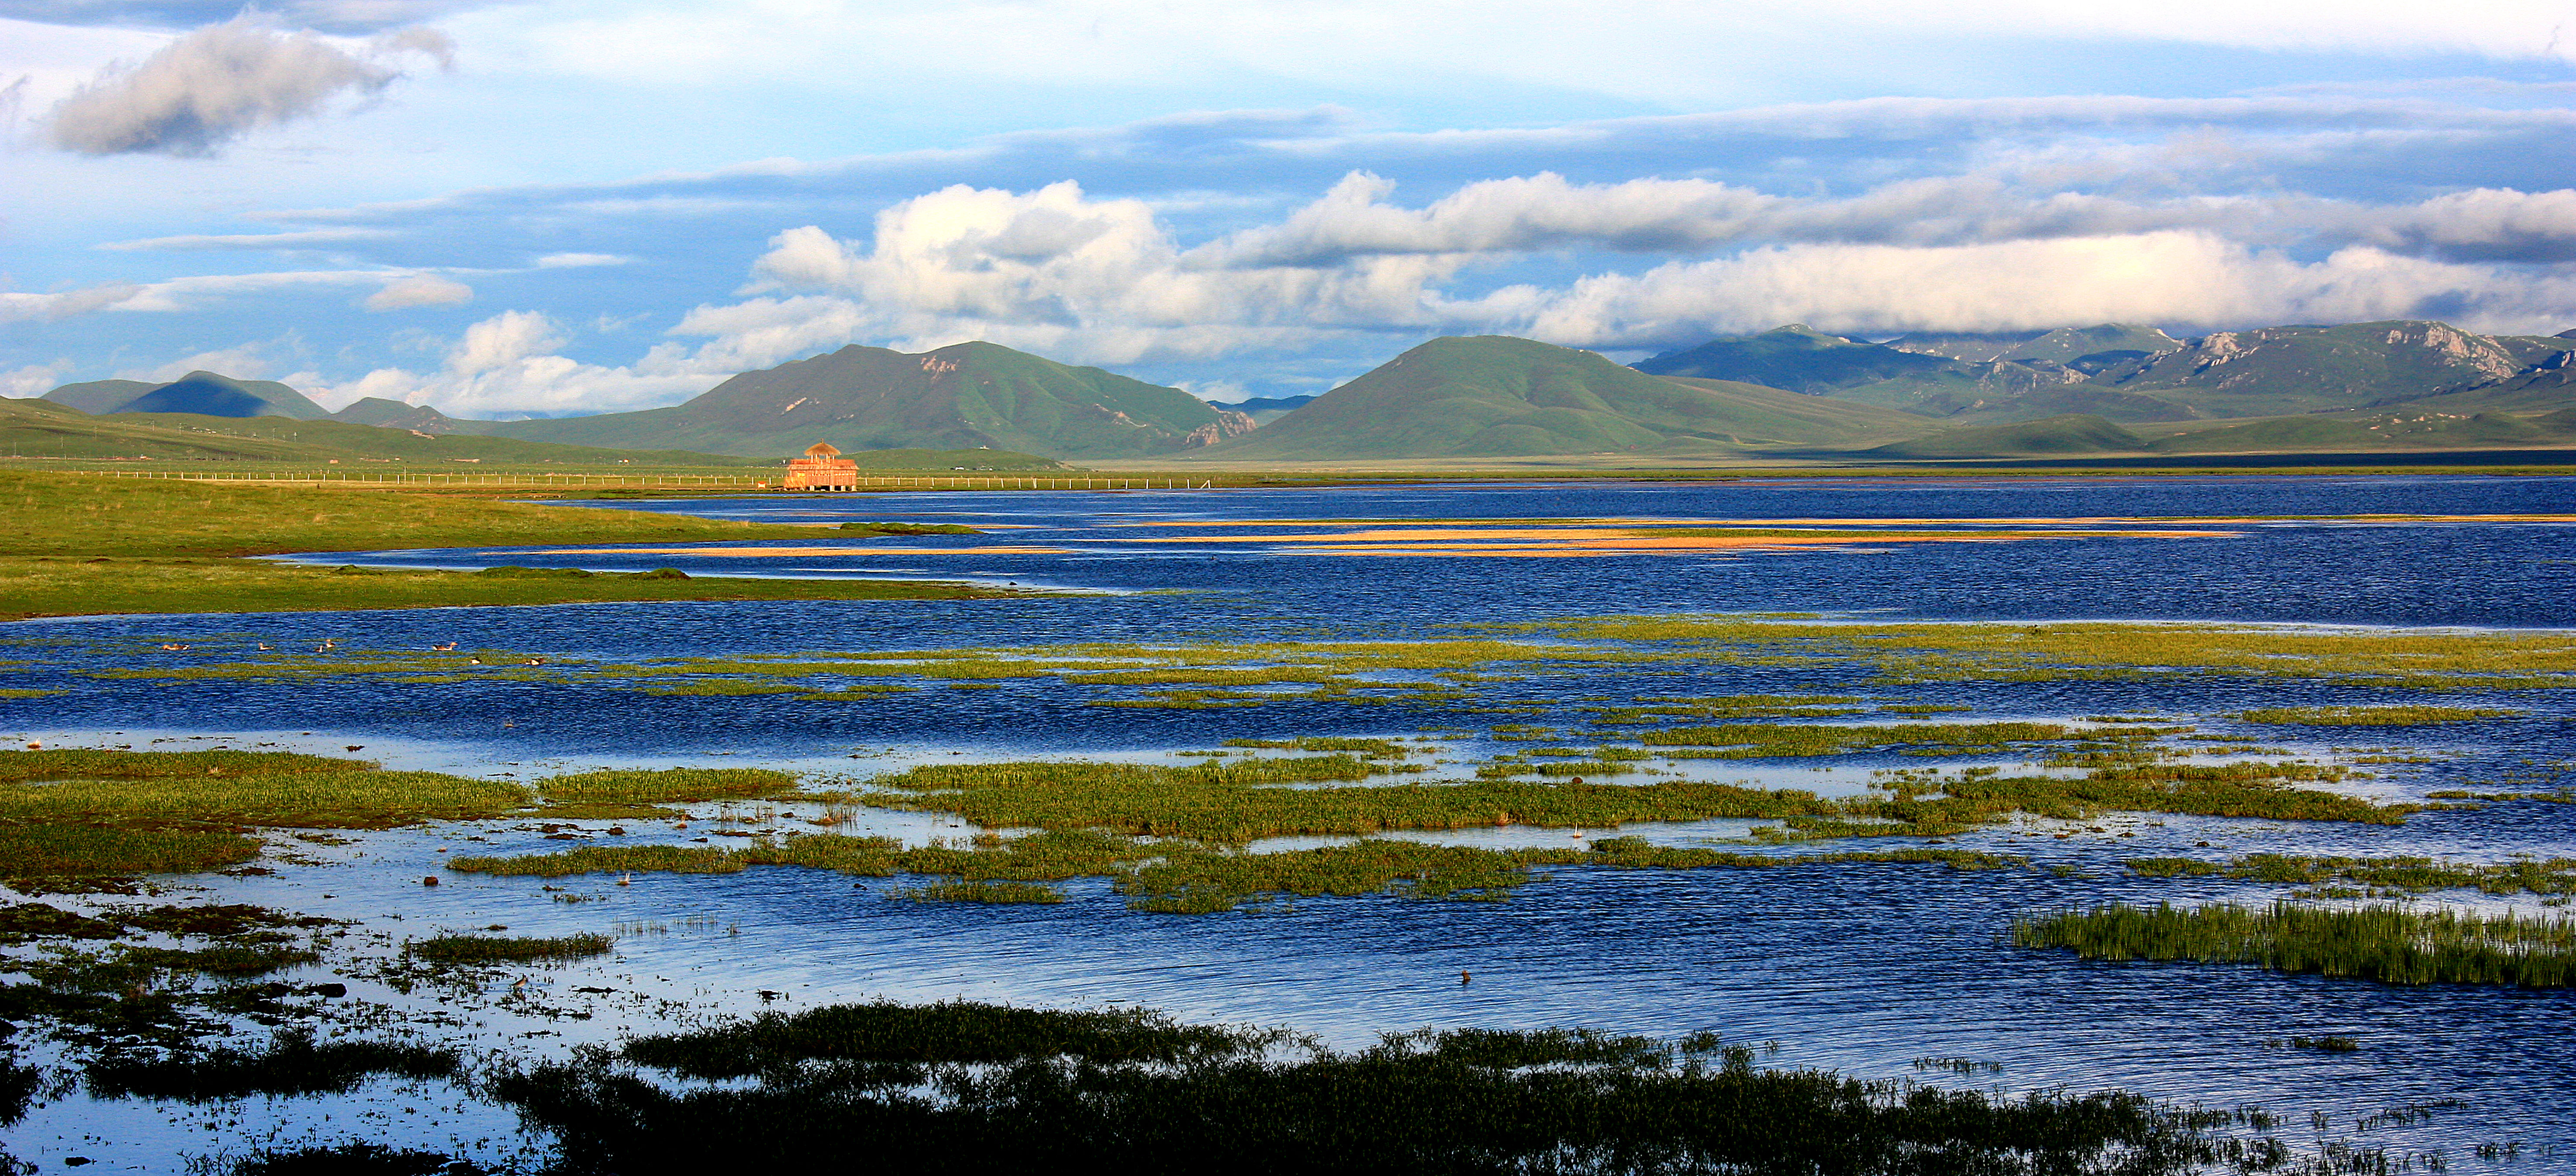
x=2389, y=944
x=72, y=546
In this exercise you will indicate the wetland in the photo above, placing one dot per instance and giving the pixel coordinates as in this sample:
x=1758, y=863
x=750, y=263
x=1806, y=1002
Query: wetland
x=1668, y=827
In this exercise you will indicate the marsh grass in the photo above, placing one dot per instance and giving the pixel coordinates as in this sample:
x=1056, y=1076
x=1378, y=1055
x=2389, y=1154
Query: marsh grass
x=1034, y=1090
x=33, y=852
x=2372, y=716
x=1770, y=740
x=65, y=763
x=2554, y=876
x=509, y=949
x=308, y=799
x=1898, y=653
x=665, y=786
x=2389, y=944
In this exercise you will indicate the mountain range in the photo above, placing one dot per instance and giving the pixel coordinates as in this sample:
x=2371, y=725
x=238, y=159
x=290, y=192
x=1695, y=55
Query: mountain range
x=2096, y=389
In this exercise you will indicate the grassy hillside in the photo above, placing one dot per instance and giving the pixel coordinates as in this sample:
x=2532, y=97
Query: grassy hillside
x=2073, y=433
x=37, y=428
x=954, y=398
x=1493, y=396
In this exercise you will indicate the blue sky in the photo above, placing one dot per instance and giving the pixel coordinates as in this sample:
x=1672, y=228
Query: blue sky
x=565, y=207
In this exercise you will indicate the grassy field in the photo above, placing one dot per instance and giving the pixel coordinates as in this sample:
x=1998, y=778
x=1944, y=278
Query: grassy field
x=73, y=546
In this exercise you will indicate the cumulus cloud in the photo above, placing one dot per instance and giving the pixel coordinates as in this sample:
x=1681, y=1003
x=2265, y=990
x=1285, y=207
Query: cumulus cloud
x=223, y=81
x=510, y=363
x=1104, y=281
x=419, y=290
x=34, y=379
x=1103, y=278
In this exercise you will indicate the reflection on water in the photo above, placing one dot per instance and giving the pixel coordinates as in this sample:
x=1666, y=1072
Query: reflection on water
x=1859, y=968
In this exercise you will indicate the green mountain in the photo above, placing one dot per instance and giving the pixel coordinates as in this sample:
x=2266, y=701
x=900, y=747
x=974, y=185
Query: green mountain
x=2092, y=349
x=98, y=396
x=2072, y=433
x=964, y=396
x=1494, y=396
x=197, y=393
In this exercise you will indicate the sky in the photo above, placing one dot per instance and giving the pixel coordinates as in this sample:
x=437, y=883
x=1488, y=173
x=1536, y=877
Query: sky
x=566, y=206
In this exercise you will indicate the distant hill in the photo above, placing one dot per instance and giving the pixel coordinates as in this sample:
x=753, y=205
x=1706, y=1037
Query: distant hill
x=200, y=393
x=94, y=397
x=1495, y=396
x=957, y=397
x=418, y=418
x=1797, y=359
x=2073, y=433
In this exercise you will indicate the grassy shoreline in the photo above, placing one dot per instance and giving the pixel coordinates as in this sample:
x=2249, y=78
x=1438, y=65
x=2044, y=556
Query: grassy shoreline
x=88, y=547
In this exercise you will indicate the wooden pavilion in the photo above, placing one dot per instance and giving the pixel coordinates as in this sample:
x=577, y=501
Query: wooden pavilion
x=822, y=468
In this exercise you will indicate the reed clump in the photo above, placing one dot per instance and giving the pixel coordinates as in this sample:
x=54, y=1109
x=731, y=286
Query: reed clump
x=2389, y=944
x=509, y=949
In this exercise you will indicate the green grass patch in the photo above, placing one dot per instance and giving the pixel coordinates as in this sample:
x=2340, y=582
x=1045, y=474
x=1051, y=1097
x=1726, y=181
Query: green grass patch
x=37, y=851
x=2392, y=945
x=321, y=800
x=666, y=786
x=66, y=763
x=509, y=949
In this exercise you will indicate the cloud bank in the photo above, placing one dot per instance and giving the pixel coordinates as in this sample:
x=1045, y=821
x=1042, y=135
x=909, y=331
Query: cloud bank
x=223, y=81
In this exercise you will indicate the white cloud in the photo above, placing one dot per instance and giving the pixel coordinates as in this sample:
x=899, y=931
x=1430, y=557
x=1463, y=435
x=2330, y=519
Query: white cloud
x=21, y=306
x=419, y=290
x=507, y=363
x=301, y=239
x=222, y=81
x=580, y=260
x=34, y=379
